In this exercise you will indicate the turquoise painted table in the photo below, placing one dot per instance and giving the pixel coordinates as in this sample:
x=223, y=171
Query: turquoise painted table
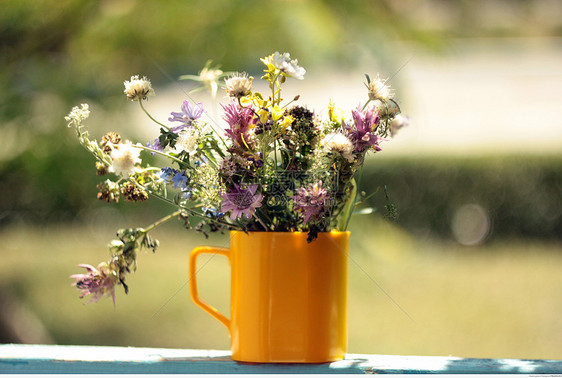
x=58, y=359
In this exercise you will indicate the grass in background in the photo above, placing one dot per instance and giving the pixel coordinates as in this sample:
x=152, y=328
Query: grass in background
x=406, y=297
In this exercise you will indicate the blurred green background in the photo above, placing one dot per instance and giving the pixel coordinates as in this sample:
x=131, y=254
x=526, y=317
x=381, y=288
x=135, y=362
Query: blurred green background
x=473, y=260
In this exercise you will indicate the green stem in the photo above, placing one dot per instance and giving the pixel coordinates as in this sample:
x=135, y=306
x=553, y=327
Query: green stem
x=161, y=221
x=152, y=118
x=158, y=152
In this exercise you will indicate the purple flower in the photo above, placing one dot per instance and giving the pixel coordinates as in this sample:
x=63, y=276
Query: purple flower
x=155, y=145
x=240, y=121
x=241, y=201
x=167, y=174
x=180, y=180
x=363, y=136
x=188, y=114
x=311, y=200
x=98, y=282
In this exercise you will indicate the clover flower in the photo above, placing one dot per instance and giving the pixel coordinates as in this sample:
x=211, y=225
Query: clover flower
x=188, y=141
x=124, y=158
x=340, y=144
x=138, y=89
x=188, y=114
x=311, y=201
x=97, y=282
x=289, y=67
x=363, y=136
x=241, y=201
x=239, y=85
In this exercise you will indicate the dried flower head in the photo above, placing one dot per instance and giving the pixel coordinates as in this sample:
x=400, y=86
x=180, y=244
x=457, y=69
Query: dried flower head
x=340, y=144
x=133, y=193
x=239, y=85
x=124, y=158
x=378, y=89
x=108, y=191
x=138, y=89
x=109, y=140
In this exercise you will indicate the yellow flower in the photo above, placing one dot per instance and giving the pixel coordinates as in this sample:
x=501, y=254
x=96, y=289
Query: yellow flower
x=287, y=121
x=335, y=114
x=276, y=113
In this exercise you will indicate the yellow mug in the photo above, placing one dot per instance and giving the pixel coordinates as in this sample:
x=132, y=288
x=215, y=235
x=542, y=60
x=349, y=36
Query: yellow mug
x=288, y=297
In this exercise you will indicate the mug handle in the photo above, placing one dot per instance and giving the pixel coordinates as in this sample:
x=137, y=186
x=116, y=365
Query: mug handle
x=193, y=282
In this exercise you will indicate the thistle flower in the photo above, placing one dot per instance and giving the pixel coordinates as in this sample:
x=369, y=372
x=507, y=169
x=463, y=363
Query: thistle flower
x=378, y=89
x=138, y=89
x=340, y=144
x=98, y=282
x=363, y=135
x=188, y=141
x=239, y=85
x=241, y=201
x=289, y=67
x=188, y=114
x=240, y=121
x=124, y=158
x=311, y=201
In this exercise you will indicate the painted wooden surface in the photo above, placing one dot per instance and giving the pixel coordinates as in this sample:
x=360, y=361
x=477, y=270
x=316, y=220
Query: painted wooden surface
x=53, y=359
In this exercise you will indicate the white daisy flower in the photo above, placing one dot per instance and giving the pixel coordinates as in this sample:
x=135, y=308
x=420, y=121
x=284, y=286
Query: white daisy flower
x=138, y=88
x=124, y=158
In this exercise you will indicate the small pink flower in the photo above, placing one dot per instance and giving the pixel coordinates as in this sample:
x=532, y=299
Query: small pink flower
x=98, y=282
x=312, y=201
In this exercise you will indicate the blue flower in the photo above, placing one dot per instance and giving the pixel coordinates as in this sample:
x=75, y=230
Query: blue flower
x=180, y=180
x=167, y=174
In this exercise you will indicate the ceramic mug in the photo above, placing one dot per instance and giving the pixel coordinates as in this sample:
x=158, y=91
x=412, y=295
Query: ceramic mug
x=288, y=296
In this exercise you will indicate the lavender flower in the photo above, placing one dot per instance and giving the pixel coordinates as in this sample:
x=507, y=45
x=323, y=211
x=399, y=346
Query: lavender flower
x=363, y=136
x=240, y=121
x=188, y=114
x=98, y=282
x=311, y=201
x=241, y=201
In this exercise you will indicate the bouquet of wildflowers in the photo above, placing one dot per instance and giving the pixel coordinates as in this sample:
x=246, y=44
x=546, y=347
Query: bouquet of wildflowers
x=274, y=165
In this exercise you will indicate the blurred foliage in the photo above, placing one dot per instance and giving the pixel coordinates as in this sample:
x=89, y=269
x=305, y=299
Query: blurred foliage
x=520, y=196
x=56, y=54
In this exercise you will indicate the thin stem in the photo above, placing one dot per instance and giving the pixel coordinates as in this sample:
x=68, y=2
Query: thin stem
x=161, y=221
x=158, y=152
x=152, y=118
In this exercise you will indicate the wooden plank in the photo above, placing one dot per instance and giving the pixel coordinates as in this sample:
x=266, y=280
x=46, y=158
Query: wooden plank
x=59, y=359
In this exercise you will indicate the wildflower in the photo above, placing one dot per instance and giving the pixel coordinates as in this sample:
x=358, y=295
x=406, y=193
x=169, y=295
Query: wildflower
x=387, y=109
x=339, y=143
x=363, y=135
x=209, y=76
x=188, y=141
x=155, y=145
x=289, y=67
x=166, y=174
x=124, y=158
x=138, y=89
x=335, y=114
x=133, y=193
x=311, y=201
x=239, y=85
x=108, y=191
x=98, y=282
x=188, y=114
x=241, y=201
x=77, y=115
x=240, y=121
x=378, y=89
x=398, y=122
x=109, y=140
x=180, y=180
x=101, y=169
